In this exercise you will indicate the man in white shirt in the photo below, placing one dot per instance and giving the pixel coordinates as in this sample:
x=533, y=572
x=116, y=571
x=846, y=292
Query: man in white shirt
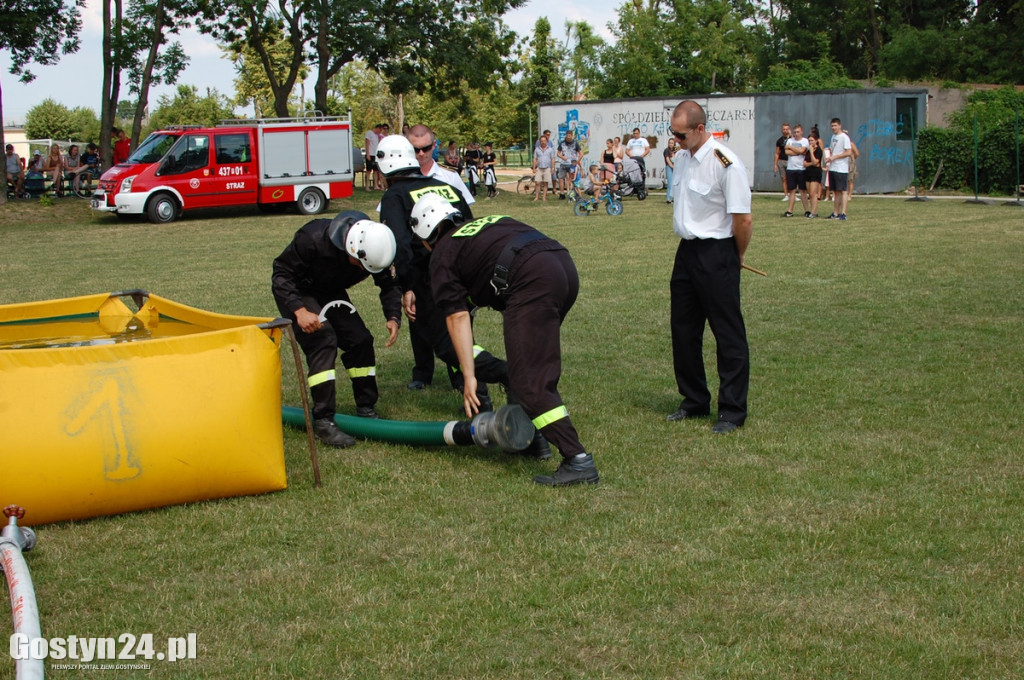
x=711, y=215
x=838, y=164
x=796, y=150
x=638, y=147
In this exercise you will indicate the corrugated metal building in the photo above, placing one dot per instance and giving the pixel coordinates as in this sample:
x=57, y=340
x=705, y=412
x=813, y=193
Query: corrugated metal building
x=880, y=122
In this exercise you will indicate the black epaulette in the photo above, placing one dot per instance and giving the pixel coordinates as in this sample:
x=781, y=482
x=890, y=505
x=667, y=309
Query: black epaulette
x=722, y=158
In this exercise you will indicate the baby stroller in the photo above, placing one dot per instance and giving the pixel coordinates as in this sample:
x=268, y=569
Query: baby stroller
x=631, y=179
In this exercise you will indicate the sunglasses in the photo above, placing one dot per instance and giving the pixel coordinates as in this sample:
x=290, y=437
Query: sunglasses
x=681, y=136
x=424, y=149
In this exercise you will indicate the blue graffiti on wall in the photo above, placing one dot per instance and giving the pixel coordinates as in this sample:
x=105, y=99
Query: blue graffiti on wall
x=883, y=151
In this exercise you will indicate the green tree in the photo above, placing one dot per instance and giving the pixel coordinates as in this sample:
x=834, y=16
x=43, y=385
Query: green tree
x=85, y=125
x=583, y=48
x=154, y=60
x=252, y=87
x=49, y=119
x=416, y=44
x=367, y=93
x=543, y=79
x=188, y=107
x=652, y=54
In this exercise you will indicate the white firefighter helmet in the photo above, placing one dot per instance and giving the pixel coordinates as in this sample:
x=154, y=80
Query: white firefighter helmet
x=372, y=243
x=429, y=212
x=394, y=154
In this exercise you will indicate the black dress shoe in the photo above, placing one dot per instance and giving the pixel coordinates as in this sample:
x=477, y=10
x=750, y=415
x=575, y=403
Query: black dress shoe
x=684, y=415
x=416, y=385
x=723, y=427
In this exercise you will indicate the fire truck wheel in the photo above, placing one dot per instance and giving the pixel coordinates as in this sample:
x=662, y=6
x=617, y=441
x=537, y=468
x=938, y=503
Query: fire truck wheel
x=162, y=208
x=311, y=201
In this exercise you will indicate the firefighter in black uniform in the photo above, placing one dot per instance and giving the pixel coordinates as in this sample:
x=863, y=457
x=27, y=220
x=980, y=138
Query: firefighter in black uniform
x=396, y=158
x=325, y=258
x=502, y=263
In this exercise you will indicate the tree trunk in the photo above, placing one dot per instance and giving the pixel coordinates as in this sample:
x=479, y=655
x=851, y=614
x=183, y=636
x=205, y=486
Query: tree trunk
x=111, y=77
x=147, y=73
x=3, y=195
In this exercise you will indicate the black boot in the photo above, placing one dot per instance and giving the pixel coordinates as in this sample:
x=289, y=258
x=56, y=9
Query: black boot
x=329, y=433
x=538, y=448
x=579, y=469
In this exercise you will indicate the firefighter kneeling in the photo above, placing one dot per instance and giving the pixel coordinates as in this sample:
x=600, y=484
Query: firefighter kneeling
x=322, y=262
x=499, y=262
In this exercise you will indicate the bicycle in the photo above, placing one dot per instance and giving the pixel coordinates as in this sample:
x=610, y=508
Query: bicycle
x=526, y=185
x=612, y=200
x=83, y=184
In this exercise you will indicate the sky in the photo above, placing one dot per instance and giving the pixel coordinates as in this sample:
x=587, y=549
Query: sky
x=78, y=78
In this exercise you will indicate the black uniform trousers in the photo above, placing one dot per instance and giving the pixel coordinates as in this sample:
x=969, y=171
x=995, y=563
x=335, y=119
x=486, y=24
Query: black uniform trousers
x=705, y=288
x=489, y=368
x=542, y=291
x=423, y=358
x=345, y=331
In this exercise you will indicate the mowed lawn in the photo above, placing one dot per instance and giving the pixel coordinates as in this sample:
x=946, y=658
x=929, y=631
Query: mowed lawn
x=866, y=523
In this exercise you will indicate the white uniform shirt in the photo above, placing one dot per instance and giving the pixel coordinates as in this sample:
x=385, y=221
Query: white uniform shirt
x=840, y=143
x=449, y=177
x=707, y=191
x=636, y=146
x=796, y=162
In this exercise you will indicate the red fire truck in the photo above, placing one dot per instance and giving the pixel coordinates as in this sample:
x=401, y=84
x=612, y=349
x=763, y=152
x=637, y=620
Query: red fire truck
x=271, y=163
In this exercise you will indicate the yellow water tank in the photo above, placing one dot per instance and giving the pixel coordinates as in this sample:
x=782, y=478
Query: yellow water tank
x=117, y=402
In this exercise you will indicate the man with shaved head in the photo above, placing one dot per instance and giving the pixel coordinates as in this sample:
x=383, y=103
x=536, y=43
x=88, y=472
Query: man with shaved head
x=711, y=216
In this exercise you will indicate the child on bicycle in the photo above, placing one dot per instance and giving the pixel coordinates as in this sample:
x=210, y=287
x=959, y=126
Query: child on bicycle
x=592, y=182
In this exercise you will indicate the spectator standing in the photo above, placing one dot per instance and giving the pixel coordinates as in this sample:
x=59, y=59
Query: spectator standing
x=711, y=216
x=474, y=157
x=812, y=169
x=489, y=159
x=608, y=171
x=781, y=159
x=543, y=161
x=122, y=146
x=838, y=166
x=670, y=152
x=796, y=149
x=568, y=157
x=370, y=141
x=638, y=148
x=854, y=155
x=453, y=159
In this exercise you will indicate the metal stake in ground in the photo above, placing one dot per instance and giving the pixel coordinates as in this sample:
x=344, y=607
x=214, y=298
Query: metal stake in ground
x=304, y=391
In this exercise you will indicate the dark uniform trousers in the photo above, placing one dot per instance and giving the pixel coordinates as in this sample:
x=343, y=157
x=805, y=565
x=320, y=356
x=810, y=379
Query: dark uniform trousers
x=705, y=287
x=423, y=357
x=542, y=291
x=489, y=368
x=347, y=332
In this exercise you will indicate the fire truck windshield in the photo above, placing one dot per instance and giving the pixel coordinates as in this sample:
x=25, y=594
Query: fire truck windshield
x=153, y=148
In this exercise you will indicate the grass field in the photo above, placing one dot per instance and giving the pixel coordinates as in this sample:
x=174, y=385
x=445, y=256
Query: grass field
x=866, y=523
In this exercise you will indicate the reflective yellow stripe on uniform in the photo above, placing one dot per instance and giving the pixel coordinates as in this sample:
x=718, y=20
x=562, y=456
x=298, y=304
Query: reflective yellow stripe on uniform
x=545, y=419
x=320, y=378
x=364, y=372
x=476, y=350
